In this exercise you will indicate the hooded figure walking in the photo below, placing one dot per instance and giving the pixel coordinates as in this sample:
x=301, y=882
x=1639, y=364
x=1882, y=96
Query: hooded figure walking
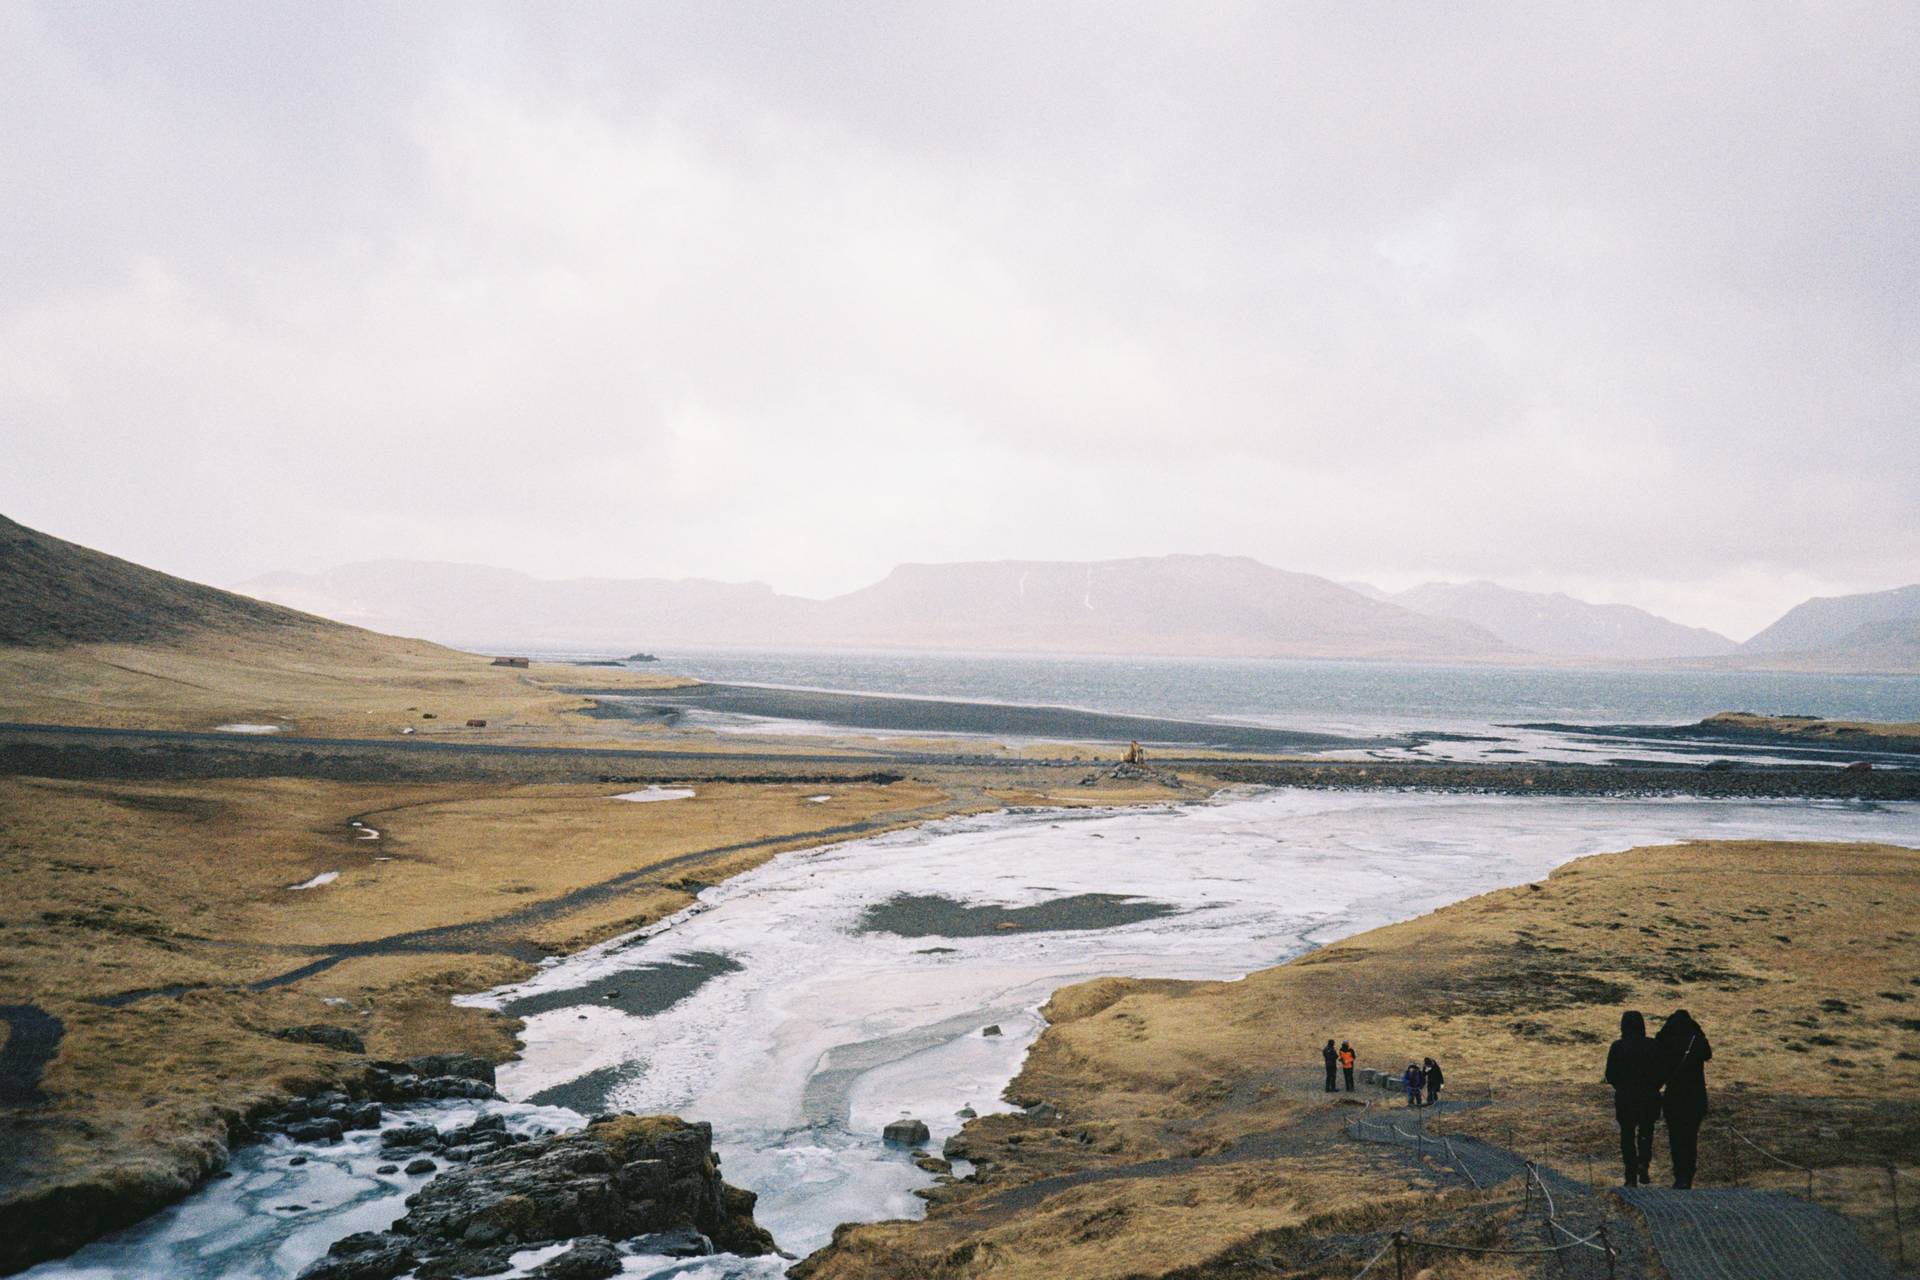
x=1332, y=1057
x=1683, y=1051
x=1633, y=1069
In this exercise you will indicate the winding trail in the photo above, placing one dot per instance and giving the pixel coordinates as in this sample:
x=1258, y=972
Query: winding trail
x=1737, y=1233
x=484, y=935
x=1715, y=1233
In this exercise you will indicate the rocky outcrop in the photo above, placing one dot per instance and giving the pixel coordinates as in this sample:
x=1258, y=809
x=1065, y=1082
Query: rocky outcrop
x=620, y=1178
x=324, y=1117
x=432, y=1077
x=337, y=1038
x=48, y=1221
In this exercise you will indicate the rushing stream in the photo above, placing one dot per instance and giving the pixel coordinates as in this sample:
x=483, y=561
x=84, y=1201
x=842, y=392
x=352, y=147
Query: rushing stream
x=802, y=1006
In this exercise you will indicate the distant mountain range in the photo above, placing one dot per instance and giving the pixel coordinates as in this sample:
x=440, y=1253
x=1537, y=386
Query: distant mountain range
x=1840, y=622
x=1183, y=605
x=1557, y=625
x=1204, y=606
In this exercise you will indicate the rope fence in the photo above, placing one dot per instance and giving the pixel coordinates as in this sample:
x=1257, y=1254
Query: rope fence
x=1894, y=1174
x=1442, y=1145
x=1535, y=1187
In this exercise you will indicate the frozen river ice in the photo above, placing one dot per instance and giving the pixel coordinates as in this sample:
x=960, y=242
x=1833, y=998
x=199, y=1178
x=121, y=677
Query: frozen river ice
x=802, y=1031
x=803, y=1005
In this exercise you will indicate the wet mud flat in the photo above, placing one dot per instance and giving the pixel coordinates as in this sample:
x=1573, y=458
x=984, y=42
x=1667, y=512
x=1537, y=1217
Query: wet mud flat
x=1845, y=745
x=639, y=992
x=81, y=753
x=935, y=717
x=918, y=915
x=55, y=751
x=1716, y=780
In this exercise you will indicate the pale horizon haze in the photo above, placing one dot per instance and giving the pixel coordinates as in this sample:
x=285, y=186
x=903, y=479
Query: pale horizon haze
x=1621, y=301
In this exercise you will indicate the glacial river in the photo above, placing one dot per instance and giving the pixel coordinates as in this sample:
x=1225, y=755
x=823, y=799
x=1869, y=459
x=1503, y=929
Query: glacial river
x=803, y=1005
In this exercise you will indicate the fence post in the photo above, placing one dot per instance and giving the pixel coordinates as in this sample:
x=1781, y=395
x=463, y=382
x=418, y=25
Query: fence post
x=1612, y=1253
x=1400, y=1255
x=1899, y=1234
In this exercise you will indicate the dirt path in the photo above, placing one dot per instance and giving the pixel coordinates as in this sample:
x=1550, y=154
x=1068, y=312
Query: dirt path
x=1737, y=1233
x=490, y=934
x=1721, y=1233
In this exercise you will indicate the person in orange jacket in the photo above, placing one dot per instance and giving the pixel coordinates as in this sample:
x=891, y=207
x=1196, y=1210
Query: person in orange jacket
x=1346, y=1063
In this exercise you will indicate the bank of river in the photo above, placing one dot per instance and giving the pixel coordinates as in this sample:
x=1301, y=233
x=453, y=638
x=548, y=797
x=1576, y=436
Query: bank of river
x=831, y=991
x=803, y=1005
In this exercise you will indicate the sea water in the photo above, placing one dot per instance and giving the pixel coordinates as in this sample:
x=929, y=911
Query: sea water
x=1359, y=698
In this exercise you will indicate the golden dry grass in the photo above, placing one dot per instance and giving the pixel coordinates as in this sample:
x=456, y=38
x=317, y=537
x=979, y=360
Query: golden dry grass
x=1108, y=1230
x=111, y=887
x=1814, y=729
x=328, y=682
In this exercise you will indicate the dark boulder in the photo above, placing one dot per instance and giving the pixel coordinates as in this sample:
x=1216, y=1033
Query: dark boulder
x=421, y=1165
x=906, y=1133
x=364, y=1255
x=684, y=1243
x=463, y=1066
x=314, y=1131
x=591, y=1258
x=395, y=1088
x=403, y=1136
x=468, y=1262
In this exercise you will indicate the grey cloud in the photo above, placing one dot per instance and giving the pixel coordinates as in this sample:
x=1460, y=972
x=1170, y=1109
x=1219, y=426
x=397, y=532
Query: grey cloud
x=1617, y=297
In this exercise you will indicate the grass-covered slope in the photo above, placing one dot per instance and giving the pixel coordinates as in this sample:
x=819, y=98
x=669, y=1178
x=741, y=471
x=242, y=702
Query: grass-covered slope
x=90, y=639
x=58, y=593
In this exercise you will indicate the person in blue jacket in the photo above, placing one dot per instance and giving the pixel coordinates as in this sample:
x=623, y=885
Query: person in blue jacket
x=1415, y=1081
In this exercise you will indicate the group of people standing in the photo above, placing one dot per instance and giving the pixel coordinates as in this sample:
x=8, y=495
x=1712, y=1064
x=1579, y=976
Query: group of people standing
x=1423, y=1076
x=1421, y=1080
x=1661, y=1076
x=1653, y=1077
x=1341, y=1060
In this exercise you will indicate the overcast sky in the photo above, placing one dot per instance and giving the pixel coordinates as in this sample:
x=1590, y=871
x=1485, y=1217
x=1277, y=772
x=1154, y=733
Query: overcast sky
x=1622, y=300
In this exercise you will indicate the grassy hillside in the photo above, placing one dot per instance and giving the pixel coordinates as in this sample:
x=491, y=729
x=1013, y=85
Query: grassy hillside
x=90, y=639
x=59, y=593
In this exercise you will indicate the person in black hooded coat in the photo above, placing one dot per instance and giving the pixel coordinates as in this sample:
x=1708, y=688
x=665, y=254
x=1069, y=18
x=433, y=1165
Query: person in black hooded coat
x=1633, y=1069
x=1683, y=1051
